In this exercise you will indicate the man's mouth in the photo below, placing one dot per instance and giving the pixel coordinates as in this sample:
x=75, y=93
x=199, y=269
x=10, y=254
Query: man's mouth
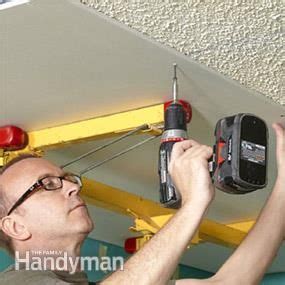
x=80, y=205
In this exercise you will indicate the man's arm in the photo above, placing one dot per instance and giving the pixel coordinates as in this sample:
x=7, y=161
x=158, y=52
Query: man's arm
x=156, y=261
x=249, y=262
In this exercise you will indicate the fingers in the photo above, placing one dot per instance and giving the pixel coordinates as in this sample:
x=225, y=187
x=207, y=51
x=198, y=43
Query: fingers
x=202, y=151
x=180, y=147
x=190, y=148
x=280, y=147
x=280, y=141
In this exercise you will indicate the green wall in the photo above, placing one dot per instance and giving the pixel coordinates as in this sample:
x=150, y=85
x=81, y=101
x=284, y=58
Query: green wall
x=274, y=279
x=93, y=247
x=5, y=260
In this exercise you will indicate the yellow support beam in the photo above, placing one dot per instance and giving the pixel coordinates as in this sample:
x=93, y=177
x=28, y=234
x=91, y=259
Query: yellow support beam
x=96, y=128
x=243, y=226
x=91, y=129
x=113, y=199
x=211, y=231
x=157, y=222
x=150, y=216
x=2, y=161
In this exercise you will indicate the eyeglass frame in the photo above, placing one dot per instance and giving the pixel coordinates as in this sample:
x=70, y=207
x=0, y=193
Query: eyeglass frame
x=39, y=184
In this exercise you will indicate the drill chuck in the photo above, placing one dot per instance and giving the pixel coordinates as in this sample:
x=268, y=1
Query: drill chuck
x=175, y=118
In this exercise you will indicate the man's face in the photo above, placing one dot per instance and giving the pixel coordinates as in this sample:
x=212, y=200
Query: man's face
x=55, y=214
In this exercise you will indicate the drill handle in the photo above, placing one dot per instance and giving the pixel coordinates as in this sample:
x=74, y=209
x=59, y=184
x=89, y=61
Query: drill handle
x=169, y=196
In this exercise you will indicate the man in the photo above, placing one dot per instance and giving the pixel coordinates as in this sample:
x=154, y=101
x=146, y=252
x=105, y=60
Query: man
x=58, y=220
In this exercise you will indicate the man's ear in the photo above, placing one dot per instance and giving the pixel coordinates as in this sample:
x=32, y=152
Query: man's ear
x=14, y=228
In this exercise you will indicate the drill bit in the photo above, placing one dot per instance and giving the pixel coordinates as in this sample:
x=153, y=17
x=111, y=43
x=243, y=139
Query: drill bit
x=175, y=86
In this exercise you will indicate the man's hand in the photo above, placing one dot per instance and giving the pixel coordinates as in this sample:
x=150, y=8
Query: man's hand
x=190, y=172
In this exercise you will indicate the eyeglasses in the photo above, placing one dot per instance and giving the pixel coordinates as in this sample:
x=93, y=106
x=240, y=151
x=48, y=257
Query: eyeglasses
x=49, y=183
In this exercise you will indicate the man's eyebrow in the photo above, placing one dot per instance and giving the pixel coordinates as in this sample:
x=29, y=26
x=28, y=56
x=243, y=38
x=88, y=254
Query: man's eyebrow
x=50, y=174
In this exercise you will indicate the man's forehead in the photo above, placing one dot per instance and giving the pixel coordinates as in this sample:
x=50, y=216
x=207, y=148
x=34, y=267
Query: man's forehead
x=26, y=172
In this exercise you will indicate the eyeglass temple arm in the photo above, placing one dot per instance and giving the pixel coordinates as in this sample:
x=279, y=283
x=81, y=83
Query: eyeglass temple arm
x=22, y=198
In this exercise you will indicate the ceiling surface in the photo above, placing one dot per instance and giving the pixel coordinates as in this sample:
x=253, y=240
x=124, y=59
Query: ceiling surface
x=63, y=62
x=242, y=40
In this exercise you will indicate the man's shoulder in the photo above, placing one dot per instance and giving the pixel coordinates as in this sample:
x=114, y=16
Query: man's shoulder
x=32, y=277
x=25, y=277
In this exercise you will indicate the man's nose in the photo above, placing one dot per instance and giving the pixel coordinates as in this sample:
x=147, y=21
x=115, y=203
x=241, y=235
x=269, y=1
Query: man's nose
x=70, y=188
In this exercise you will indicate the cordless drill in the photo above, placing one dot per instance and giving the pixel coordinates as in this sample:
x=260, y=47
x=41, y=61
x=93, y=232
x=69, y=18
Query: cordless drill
x=239, y=161
x=176, y=116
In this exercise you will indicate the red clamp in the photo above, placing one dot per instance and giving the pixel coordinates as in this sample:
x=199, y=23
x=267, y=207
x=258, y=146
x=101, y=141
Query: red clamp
x=12, y=138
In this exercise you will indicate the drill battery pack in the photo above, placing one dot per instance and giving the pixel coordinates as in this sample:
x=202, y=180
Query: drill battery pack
x=239, y=162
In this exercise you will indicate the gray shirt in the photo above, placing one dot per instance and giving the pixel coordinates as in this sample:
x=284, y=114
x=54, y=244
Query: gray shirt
x=34, y=277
